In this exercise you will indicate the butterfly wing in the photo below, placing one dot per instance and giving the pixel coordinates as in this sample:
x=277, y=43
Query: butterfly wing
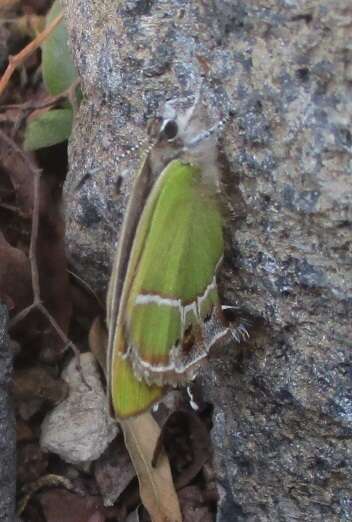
x=127, y=395
x=169, y=313
x=130, y=395
x=173, y=313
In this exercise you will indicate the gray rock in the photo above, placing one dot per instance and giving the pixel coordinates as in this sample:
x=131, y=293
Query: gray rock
x=7, y=426
x=282, y=410
x=80, y=429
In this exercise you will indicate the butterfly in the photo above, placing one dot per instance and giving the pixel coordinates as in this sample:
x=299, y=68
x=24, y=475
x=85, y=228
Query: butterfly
x=163, y=307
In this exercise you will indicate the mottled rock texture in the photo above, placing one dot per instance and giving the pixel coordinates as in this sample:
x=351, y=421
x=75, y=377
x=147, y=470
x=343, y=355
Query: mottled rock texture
x=282, y=407
x=7, y=426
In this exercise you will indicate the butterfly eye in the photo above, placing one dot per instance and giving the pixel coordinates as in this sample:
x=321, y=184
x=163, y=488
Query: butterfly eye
x=170, y=129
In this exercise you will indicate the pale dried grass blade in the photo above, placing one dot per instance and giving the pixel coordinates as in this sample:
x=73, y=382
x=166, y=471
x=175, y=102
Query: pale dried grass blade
x=156, y=485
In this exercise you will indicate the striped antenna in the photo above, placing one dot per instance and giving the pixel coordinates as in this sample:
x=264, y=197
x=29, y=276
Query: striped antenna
x=111, y=163
x=204, y=135
x=135, y=148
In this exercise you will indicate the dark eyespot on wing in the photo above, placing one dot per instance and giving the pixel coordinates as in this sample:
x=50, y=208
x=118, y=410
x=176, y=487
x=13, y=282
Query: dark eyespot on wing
x=188, y=339
x=209, y=314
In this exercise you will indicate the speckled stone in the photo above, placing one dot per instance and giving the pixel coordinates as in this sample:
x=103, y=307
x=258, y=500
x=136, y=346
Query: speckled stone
x=282, y=408
x=7, y=426
x=79, y=429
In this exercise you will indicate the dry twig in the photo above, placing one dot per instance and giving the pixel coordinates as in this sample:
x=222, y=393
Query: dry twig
x=37, y=303
x=48, y=102
x=19, y=58
x=47, y=481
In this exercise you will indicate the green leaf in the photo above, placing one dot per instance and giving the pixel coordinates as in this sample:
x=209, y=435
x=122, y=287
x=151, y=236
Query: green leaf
x=48, y=129
x=57, y=65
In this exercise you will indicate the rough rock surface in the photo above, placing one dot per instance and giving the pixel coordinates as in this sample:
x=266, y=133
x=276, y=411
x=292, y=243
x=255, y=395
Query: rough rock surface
x=282, y=410
x=7, y=427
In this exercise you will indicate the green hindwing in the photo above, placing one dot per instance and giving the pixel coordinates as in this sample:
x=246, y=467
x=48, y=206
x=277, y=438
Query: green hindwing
x=174, y=292
x=129, y=395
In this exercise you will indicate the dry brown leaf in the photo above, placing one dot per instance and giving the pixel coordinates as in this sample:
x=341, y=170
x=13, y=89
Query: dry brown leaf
x=156, y=484
x=98, y=340
x=64, y=506
x=187, y=443
x=15, y=278
x=6, y=6
x=50, y=246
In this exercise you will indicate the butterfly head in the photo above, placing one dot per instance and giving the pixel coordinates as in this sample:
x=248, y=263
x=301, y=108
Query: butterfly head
x=185, y=133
